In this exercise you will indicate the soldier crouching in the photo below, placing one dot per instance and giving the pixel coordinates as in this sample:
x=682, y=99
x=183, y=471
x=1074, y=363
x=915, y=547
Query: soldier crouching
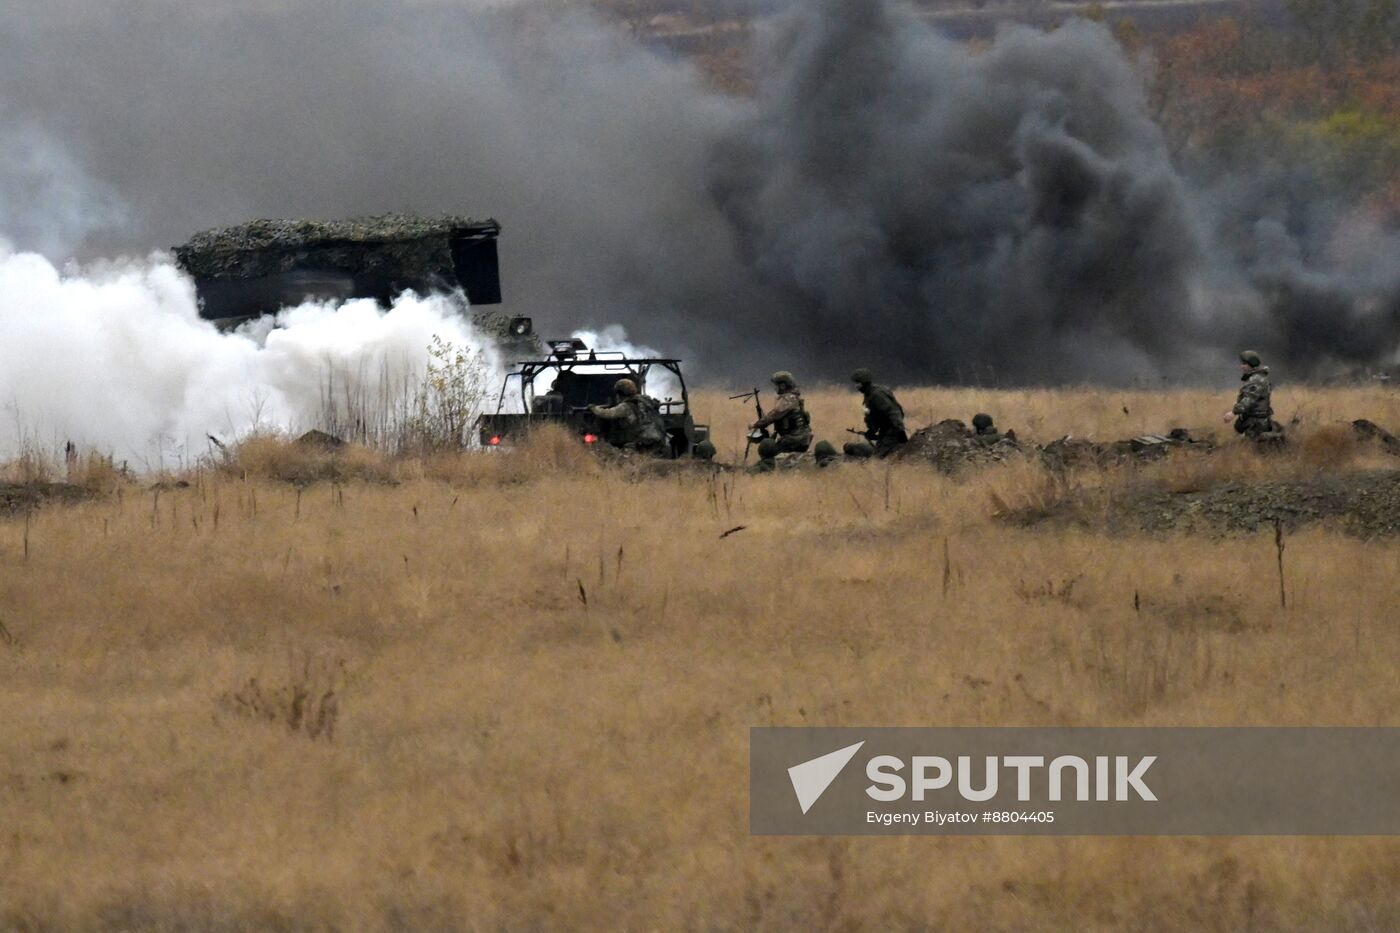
x=635, y=422
x=884, y=419
x=792, y=426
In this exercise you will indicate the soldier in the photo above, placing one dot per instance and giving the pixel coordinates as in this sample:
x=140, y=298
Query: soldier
x=636, y=422
x=1253, y=413
x=789, y=419
x=552, y=402
x=984, y=430
x=884, y=419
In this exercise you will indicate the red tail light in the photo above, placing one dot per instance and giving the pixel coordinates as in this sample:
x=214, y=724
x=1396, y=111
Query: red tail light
x=590, y=438
x=495, y=440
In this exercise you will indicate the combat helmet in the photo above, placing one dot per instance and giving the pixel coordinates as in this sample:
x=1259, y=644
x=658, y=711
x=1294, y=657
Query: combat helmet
x=783, y=377
x=1251, y=359
x=982, y=422
x=625, y=387
x=862, y=377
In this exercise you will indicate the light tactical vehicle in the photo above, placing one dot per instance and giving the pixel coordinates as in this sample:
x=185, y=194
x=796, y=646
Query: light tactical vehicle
x=572, y=377
x=258, y=268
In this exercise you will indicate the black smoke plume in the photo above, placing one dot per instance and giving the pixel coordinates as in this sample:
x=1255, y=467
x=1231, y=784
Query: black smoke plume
x=887, y=198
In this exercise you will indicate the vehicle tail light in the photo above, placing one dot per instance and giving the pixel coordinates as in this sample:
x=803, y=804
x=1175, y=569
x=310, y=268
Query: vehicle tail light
x=495, y=440
x=590, y=438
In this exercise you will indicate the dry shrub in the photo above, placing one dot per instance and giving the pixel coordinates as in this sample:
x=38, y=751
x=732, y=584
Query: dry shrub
x=1329, y=447
x=553, y=449
x=306, y=703
x=91, y=472
x=272, y=456
x=1028, y=493
x=31, y=466
x=546, y=451
x=1195, y=471
x=97, y=474
x=1308, y=453
x=1145, y=666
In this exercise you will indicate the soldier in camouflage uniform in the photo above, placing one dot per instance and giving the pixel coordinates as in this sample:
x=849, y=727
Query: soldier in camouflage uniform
x=788, y=418
x=1253, y=413
x=552, y=402
x=884, y=419
x=635, y=422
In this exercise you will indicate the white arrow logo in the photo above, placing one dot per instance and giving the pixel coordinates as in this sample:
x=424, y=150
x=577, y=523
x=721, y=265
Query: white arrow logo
x=811, y=778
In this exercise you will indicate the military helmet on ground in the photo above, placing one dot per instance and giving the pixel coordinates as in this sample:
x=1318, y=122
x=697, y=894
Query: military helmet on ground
x=767, y=449
x=825, y=450
x=625, y=387
x=862, y=377
x=1250, y=358
x=783, y=377
x=982, y=421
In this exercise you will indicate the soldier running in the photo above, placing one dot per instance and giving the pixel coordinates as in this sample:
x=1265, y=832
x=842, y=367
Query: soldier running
x=884, y=419
x=635, y=421
x=1253, y=413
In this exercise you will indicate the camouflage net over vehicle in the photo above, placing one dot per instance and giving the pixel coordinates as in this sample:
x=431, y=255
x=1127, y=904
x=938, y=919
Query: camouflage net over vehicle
x=388, y=254
x=401, y=247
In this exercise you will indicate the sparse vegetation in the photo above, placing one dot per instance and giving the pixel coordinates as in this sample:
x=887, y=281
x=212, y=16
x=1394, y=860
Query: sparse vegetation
x=526, y=682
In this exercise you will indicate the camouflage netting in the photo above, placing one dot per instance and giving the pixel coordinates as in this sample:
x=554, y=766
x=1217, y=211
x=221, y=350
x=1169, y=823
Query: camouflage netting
x=398, y=247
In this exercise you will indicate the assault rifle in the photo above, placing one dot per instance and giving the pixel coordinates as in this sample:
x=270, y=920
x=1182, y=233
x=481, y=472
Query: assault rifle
x=757, y=434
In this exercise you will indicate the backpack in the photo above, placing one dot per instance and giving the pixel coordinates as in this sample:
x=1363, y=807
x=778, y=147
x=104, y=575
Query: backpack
x=651, y=426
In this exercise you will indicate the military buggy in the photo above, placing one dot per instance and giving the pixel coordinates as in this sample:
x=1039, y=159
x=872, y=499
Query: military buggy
x=573, y=377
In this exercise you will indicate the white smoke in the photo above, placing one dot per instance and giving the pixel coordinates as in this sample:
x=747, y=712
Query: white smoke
x=49, y=201
x=661, y=384
x=116, y=358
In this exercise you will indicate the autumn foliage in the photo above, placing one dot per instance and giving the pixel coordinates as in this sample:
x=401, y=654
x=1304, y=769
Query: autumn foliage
x=1228, y=88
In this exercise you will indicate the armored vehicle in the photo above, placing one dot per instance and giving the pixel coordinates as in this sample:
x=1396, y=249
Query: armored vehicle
x=574, y=377
x=259, y=268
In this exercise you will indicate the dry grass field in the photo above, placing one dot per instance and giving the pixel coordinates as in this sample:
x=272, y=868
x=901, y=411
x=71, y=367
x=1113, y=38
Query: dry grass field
x=514, y=691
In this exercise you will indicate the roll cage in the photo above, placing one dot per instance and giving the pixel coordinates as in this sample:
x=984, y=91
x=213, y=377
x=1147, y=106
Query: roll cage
x=586, y=377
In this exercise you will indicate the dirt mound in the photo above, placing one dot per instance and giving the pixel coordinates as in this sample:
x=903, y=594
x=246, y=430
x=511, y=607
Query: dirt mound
x=1366, y=505
x=18, y=498
x=1079, y=451
x=951, y=445
x=1369, y=430
x=1363, y=504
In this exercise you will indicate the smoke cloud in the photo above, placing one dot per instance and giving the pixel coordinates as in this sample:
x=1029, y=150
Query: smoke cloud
x=886, y=198
x=940, y=210
x=116, y=358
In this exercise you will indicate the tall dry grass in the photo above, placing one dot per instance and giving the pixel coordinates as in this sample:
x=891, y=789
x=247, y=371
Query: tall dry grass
x=514, y=691
x=1043, y=415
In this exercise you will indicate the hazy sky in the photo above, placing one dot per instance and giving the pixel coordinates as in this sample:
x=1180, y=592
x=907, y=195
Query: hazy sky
x=887, y=198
